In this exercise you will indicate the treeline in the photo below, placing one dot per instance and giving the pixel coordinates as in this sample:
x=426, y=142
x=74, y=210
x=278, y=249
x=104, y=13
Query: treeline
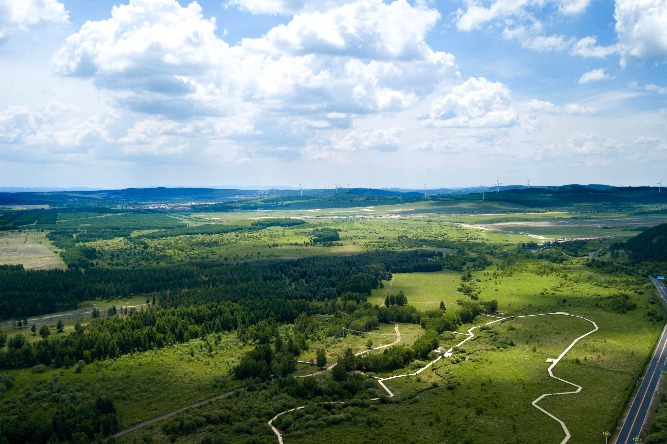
x=440, y=321
x=14, y=220
x=27, y=293
x=325, y=235
x=105, y=338
x=222, y=229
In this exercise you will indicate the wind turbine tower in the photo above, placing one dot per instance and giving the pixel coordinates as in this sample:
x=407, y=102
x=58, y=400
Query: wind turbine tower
x=498, y=186
x=424, y=191
x=483, y=191
x=301, y=189
x=528, y=180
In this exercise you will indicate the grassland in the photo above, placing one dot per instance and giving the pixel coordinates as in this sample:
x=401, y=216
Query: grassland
x=484, y=393
x=29, y=248
x=424, y=290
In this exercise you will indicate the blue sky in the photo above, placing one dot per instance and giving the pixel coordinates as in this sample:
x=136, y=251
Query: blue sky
x=371, y=93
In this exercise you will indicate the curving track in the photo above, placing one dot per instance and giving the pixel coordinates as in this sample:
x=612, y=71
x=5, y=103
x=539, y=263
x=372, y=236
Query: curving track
x=449, y=353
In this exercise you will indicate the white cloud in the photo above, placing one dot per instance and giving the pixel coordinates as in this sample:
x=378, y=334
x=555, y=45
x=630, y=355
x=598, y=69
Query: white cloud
x=21, y=14
x=476, y=103
x=594, y=75
x=532, y=38
x=286, y=6
x=541, y=106
x=588, y=47
x=53, y=132
x=641, y=26
x=570, y=7
x=476, y=15
x=337, y=147
x=24, y=125
x=363, y=29
x=157, y=57
x=575, y=108
x=588, y=144
x=651, y=87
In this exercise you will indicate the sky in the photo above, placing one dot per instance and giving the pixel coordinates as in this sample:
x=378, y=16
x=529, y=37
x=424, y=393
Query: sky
x=319, y=93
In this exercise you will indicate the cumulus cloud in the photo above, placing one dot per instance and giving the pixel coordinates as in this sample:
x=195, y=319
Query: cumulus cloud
x=532, y=38
x=285, y=6
x=19, y=15
x=587, y=144
x=362, y=29
x=476, y=103
x=24, y=125
x=158, y=57
x=588, y=47
x=594, y=75
x=641, y=27
x=336, y=147
x=48, y=132
x=476, y=15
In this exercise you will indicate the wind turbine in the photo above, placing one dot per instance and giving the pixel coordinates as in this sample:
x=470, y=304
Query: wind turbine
x=498, y=186
x=528, y=180
x=483, y=191
x=424, y=191
x=660, y=186
x=301, y=189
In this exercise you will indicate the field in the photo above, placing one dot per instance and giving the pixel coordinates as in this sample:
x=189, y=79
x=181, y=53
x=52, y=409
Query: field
x=477, y=252
x=29, y=248
x=425, y=290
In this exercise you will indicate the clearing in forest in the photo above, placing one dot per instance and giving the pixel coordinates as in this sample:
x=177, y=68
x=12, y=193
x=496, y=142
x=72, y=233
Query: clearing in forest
x=32, y=249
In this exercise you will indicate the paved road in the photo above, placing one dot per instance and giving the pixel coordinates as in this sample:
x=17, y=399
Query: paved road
x=634, y=422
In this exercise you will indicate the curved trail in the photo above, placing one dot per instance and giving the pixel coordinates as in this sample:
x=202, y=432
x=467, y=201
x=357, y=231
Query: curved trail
x=555, y=362
x=270, y=423
x=450, y=352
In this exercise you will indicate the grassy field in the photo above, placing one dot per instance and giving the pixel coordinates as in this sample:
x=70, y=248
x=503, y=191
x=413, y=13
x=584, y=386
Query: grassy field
x=30, y=248
x=424, y=290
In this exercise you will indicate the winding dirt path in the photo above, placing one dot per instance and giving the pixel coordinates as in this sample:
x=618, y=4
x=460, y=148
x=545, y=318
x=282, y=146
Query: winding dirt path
x=450, y=352
x=270, y=423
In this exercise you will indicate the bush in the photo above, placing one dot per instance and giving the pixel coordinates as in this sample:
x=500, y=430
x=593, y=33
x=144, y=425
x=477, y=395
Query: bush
x=39, y=368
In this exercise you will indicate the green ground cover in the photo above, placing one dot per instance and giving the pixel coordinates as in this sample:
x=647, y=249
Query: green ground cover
x=142, y=385
x=29, y=248
x=482, y=394
x=424, y=290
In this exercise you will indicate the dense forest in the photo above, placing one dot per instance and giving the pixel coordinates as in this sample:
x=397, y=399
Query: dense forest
x=31, y=292
x=651, y=245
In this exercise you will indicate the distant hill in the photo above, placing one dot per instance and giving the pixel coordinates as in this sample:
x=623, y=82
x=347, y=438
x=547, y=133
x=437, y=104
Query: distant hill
x=651, y=245
x=580, y=197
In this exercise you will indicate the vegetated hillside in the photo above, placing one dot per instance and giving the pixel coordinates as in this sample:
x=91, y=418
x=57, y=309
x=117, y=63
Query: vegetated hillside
x=578, y=196
x=651, y=245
